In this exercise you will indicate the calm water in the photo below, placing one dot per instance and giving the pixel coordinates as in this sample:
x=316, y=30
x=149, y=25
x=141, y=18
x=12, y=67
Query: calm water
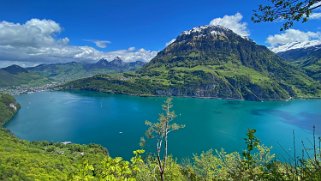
x=117, y=121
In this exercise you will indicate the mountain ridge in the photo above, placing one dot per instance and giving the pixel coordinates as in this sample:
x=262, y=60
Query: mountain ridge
x=296, y=45
x=15, y=75
x=15, y=69
x=307, y=59
x=210, y=61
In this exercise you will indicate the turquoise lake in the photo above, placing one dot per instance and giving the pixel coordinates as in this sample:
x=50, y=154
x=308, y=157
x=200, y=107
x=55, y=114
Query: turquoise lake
x=117, y=121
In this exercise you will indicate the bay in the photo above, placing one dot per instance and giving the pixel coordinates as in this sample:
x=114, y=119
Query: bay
x=117, y=122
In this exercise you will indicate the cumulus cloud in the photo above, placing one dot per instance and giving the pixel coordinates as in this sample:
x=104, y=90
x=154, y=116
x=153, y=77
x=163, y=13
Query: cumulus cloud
x=292, y=35
x=233, y=22
x=292, y=39
x=37, y=41
x=131, y=54
x=34, y=33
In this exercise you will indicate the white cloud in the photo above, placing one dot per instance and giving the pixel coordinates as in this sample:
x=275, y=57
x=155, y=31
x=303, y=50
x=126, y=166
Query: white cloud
x=34, y=33
x=292, y=35
x=4, y=63
x=315, y=5
x=315, y=16
x=131, y=48
x=170, y=42
x=233, y=22
x=131, y=55
x=100, y=43
x=292, y=39
x=37, y=41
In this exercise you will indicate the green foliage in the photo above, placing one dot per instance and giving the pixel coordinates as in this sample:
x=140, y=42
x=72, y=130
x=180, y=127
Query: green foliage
x=24, y=78
x=288, y=10
x=307, y=59
x=150, y=171
x=251, y=143
x=161, y=128
x=8, y=107
x=160, y=131
x=224, y=166
x=53, y=73
x=24, y=160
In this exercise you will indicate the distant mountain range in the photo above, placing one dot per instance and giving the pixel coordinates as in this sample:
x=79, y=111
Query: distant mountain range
x=116, y=64
x=15, y=75
x=296, y=45
x=15, y=69
x=307, y=58
x=210, y=61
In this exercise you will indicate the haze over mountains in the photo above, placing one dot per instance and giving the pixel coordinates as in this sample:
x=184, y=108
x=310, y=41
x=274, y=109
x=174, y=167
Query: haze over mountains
x=211, y=61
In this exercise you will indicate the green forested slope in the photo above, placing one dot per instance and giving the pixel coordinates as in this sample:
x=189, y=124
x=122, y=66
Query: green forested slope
x=24, y=160
x=40, y=75
x=211, y=61
x=308, y=59
x=24, y=78
x=8, y=108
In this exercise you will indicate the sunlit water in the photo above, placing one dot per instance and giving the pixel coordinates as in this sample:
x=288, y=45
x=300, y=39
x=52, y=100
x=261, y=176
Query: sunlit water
x=117, y=121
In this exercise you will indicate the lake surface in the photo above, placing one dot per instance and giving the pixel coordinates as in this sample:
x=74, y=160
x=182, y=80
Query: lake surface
x=117, y=121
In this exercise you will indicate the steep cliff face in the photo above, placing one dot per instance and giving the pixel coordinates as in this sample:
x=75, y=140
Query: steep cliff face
x=8, y=108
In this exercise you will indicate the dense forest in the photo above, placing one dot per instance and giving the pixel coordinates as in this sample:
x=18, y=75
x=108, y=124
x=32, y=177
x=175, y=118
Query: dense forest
x=24, y=160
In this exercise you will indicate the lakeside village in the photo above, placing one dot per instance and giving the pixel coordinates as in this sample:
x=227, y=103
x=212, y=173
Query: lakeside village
x=27, y=89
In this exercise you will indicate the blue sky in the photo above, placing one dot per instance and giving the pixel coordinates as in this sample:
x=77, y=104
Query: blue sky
x=147, y=24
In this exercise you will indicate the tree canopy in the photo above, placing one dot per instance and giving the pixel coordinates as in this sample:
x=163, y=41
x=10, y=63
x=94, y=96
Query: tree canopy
x=289, y=10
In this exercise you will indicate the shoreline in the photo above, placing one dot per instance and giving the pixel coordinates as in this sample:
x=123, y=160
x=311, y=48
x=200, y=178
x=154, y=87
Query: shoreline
x=62, y=142
x=194, y=97
x=16, y=107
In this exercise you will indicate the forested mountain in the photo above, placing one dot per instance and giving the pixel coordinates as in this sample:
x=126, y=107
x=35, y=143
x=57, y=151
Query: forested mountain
x=15, y=75
x=307, y=58
x=210, y=61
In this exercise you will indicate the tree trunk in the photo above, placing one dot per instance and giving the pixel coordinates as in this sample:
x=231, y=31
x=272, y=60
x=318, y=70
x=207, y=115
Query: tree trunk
x=161, y=169
x=162, y=175
x=166, y=146
x=166, y=133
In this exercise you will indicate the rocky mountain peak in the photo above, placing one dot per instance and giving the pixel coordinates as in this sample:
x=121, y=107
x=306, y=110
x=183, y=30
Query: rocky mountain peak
x=213, y=45
x=15, y=69
x=208, y=31
x=117, y=61
x=102, y=62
